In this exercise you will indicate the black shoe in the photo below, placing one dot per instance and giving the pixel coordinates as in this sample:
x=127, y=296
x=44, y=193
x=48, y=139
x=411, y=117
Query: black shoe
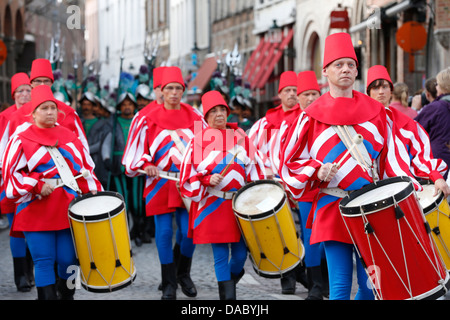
x=63, y=291
x=169, y=282
x=315, y=283
x=288, y=283
x=227, y=290
x=47, y=292
x=300, y=275
x=184, y=276
x=238, y=277
x=20, y=274
x=176, y=257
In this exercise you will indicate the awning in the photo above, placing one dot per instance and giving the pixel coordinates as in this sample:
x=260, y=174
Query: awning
x=263, y=60
x=256, y=61
x=275, y=56
x=203, y=74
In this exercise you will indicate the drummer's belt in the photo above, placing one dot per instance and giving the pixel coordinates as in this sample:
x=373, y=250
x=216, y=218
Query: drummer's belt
x=171, y=174
x=221, y=194
x=53, y=182
x=336, y=192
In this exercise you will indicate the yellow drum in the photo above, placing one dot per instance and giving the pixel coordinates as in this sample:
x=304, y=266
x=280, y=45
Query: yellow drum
x=102, y=243
x=268, y=227
x=437, y=212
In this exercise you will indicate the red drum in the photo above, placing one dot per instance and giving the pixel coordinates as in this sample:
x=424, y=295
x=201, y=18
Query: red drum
x=393, y=240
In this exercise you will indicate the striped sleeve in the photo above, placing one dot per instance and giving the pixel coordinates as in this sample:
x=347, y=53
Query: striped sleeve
x=297, y=168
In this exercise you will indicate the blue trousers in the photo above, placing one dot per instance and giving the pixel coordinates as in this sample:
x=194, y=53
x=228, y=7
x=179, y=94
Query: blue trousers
x=48, y=248
x=18, y=246
x=340, y=272
x=224, y=266
x=164, y=235
x=313, y=253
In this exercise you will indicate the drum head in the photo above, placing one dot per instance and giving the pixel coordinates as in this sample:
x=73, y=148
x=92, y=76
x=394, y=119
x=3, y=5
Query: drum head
x=377, y=196
x=259, y=198
x=97, y=207
x=427, y=201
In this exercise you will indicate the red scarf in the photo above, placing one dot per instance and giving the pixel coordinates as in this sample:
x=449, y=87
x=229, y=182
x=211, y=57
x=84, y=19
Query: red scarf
x=277, y=115
x=173, y=119
x=344, y=111
x=51, y=137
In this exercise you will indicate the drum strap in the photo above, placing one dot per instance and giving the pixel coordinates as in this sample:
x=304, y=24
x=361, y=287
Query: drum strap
x=360, y=153
x=63, y=169
x=176, y=138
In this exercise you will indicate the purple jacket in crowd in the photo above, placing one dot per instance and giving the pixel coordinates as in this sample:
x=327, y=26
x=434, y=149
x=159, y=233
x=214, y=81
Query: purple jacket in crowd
x=435, y=119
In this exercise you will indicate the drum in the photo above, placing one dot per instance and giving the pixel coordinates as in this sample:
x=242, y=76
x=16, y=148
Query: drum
x=268, y=227
x=437, y=212
x=393, y=241
x=102, y=242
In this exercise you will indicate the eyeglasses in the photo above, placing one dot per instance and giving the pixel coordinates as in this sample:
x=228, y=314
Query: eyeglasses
x=24, y=91
x=177, y=88
x=39, y=82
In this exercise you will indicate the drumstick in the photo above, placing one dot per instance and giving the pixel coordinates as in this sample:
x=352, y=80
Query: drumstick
x=162, y=175
x=84, y=174
x=358, y=139
x=229, y=164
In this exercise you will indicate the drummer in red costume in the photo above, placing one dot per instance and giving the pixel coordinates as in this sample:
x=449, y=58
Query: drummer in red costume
x=411, y=138
x=42, y=74
x=160, y=147
x=265, y=137
x=313, y=150
x=23, y=269
x=219, y=162
x=36, y=162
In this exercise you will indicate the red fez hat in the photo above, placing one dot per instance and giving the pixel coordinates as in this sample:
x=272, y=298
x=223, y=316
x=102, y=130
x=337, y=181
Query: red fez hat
x=212, y=99
x=338, y=46
x=378, y=73
x=41, y=68
x=170, y=75
x=157, y=76
x=17, y=80
x=307, y=81
x=41, y=94
x=287, y=79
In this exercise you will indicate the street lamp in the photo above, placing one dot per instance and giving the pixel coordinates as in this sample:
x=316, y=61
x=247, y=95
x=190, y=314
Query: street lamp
x=275, y=33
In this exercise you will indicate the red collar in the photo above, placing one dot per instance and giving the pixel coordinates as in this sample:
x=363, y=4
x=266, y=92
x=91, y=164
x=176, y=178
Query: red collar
x=344, y=111
x=277, y=115
x=173, y=119
x=51, y=137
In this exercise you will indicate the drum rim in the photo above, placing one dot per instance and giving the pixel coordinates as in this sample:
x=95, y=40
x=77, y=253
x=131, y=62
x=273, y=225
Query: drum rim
x=100, y=216
x=113, y=288
x=378, y=205
x=263, y=214
x=436, y=203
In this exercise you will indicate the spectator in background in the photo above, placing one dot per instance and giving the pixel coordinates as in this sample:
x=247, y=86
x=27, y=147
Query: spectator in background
x=435, y=118
x=400, y=100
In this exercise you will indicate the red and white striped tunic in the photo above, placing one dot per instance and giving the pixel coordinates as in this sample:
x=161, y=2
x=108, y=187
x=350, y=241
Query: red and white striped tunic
x=211, y=218
x=153, y=145
x=26, y=163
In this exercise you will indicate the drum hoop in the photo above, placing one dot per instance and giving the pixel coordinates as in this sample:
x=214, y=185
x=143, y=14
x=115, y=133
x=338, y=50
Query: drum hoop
x=436, y=203
x=378, y=205
x=262, y=215
x=100, y=216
